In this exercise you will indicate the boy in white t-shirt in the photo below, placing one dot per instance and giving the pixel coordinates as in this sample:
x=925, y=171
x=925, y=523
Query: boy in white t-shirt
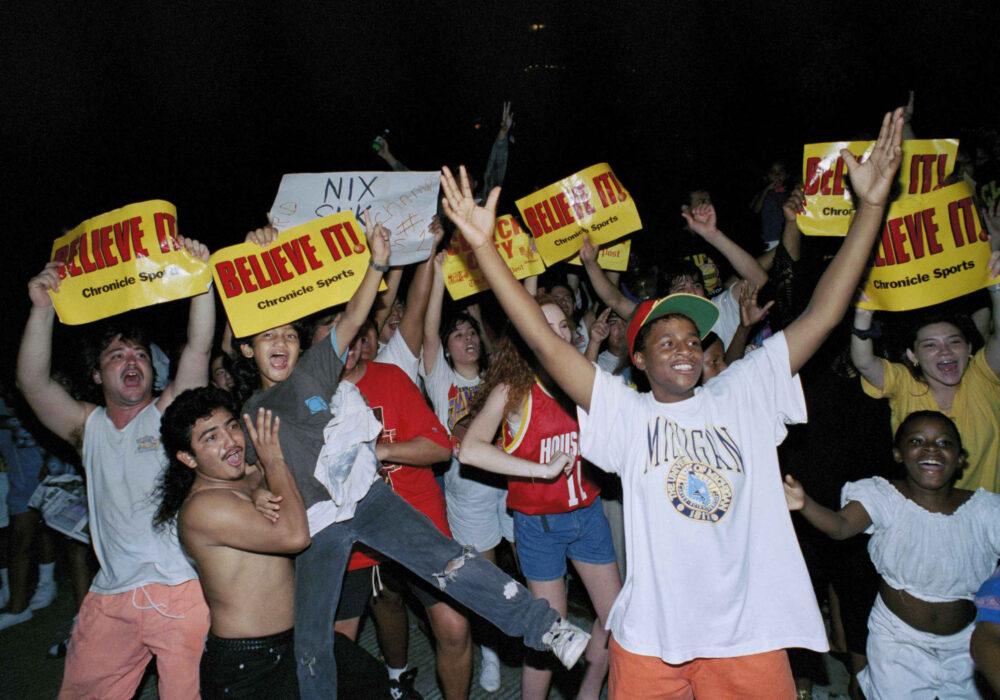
x=716, y=587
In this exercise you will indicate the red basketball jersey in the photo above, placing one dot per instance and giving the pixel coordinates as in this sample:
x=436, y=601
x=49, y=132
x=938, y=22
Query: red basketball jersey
x=546, y=429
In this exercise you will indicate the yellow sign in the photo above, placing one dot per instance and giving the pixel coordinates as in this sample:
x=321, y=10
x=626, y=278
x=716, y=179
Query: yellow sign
x=462, y=275
x=611, y=258
x=591, y=201
x=308, y=268
x=123, y=260
x=926, y=165
x=933, y=248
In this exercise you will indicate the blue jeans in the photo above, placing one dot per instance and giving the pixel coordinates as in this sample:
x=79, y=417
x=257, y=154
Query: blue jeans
x=387, y=523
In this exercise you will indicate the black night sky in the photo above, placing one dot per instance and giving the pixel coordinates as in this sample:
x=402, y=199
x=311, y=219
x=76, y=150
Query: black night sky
x=207, y=104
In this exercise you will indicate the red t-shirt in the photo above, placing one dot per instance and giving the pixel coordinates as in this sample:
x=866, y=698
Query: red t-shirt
x=546, y=429
x=400, y=407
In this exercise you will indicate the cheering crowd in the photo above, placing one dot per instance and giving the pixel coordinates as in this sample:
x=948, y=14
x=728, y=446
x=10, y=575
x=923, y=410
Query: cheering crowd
x=251, y=498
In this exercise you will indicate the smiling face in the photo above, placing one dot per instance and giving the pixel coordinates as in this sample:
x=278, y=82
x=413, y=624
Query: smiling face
x=557, y=321
x=463, y=344
x=671, y=357
x=931, y=451
x=125, y=373
x=392, y=322
x=217, y=448
x=275, y=353
x=941, y=352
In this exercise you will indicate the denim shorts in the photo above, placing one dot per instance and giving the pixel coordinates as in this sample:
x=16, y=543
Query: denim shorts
x=545, y=541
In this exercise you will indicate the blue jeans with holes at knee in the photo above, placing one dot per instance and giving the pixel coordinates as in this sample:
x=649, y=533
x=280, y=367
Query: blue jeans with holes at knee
x=387, y=523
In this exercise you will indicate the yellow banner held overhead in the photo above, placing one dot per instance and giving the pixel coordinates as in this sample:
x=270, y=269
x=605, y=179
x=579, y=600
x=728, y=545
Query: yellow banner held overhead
x=933, y=248
x=926, y=165
x=124, y=259
x=590, y=202
x=308, y=268
x=462, y=276
x=611, y=258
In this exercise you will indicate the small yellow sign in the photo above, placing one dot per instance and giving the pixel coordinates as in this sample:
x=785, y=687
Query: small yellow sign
x=611, y=258
x=591, y=202
x=124, y=259
x=308, y=268
x=933, y=248
x=926, y=165
x=462, y=276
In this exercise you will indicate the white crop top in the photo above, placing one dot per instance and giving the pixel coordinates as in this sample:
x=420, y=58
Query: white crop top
x=932, y=556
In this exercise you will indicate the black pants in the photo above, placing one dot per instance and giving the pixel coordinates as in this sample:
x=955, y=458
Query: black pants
x=262, y=667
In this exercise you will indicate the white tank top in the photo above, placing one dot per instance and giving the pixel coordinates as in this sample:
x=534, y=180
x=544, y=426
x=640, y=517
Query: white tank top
x=123, y=470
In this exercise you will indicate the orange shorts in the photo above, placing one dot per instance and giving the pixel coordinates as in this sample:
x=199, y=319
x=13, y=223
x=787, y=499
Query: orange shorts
x=115, y=636
x=766, y=676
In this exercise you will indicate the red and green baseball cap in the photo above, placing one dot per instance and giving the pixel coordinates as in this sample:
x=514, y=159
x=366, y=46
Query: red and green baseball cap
x=701, y=311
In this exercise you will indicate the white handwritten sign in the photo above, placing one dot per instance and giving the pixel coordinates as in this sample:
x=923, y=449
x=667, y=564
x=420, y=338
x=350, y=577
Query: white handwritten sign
x=404, y=202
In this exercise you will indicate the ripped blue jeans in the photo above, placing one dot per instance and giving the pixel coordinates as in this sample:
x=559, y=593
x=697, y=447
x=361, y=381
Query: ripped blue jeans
x=387, y=523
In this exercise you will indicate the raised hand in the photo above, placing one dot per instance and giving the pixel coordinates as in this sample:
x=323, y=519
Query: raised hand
x=872, y=180
x=701, y=219
x=600, y=330
x=378, y=240
x=795, y=204
x=750, y=313
x=45, y=281
x=264, y=436
x=476, y=222
x=437, y=230
x=267, y=504
x=262, y=236
x=589, y=252
x=795, y=495
x=506, y=121
x=194, y=248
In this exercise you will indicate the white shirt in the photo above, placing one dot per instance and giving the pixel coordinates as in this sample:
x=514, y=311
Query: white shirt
x=397, y=352
x=714, y=568
x=932, y=556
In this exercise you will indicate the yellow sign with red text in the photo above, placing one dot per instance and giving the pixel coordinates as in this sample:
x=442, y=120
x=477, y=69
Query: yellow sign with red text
x=124, y=259
x=933, y=248
x=591, y=202
x=462, y=276
x=308, y=268
x=926, y=165
x=611, y=258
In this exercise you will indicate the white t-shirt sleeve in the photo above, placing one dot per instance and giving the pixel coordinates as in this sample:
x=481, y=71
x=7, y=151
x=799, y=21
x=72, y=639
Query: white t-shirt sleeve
x=872, y=495
x=605, y=431
x=397, y=352
x=729, y=316
x=762, y=381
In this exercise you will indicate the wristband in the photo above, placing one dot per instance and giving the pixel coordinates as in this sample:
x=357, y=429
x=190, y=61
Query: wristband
x=874, y=332
x=380, y=268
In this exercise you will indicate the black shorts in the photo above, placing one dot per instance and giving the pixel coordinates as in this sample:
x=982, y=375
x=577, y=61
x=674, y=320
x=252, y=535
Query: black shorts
x=260, y=667
x=357, y=589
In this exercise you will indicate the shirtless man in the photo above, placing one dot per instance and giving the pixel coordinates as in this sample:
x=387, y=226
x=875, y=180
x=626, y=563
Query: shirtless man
x=243, y=557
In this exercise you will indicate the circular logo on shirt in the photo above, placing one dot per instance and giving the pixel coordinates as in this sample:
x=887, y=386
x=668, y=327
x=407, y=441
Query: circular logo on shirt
x=698, y=492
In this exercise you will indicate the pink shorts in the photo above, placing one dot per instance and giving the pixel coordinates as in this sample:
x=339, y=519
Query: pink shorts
x=115, y=636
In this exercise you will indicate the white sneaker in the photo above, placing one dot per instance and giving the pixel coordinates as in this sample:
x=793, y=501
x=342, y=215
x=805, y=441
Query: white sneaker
x=489, y=671
x=45, y=593
x=11, y=619
x=567, y=641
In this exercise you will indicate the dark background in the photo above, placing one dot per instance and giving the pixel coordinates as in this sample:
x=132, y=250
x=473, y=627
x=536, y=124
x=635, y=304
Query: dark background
x=207, y=104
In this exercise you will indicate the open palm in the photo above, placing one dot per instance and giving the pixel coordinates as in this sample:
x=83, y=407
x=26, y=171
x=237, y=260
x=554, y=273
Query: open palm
x=476, y=222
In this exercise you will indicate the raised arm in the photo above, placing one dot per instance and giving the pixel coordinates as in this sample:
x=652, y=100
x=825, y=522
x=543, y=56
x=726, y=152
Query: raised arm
x=418, y=295
x=870, y=182
x=991, y=217
x=496, y=165
x=863, y=349
x=603, y=287
x=702, y=220
x=847, y=522
x=55, y=408
x=356, y=311
x=479, y=450
x=385, y=300
x=193, y=365
x=432, y=319
x=562, y=361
